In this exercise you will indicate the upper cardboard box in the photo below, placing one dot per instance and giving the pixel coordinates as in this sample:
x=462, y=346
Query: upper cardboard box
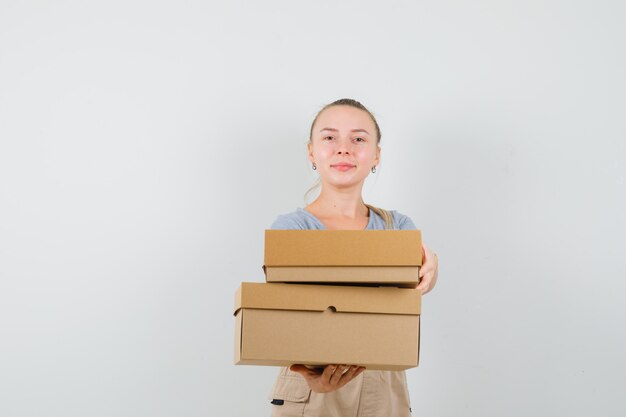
x=343, y=248
x=369, y=257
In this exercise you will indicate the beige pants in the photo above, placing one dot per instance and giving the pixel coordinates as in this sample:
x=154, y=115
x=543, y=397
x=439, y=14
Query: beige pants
x=373, y=393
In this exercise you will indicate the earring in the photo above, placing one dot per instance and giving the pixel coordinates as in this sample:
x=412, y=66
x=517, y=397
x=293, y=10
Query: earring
x=314, y=166
x=373, y=169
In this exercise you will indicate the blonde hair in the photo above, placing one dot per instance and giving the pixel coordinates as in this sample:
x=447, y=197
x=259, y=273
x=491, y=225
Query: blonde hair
x=352, y=103
x=384, y=214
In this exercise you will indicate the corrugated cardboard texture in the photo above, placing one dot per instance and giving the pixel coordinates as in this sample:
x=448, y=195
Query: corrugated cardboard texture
x=343, y=248
x=302, y=333
x=383, y=300
x=283, y=338
x=400, y=276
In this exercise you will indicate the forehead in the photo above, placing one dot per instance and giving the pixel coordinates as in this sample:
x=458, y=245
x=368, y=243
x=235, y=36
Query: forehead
x=344, y=117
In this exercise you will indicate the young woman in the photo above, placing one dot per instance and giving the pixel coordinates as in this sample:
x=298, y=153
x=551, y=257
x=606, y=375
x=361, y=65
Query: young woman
x=344, y=147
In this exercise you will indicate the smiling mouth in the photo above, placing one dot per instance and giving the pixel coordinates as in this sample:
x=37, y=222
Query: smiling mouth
x=343, y=167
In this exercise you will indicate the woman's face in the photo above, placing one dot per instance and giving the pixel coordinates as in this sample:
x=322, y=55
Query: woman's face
x=344, y=146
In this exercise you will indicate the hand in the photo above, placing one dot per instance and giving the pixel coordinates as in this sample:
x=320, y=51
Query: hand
x=429, y=270
x=331, y=378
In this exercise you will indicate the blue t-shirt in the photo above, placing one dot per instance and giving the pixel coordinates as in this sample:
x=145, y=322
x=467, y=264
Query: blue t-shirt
x=302, y=219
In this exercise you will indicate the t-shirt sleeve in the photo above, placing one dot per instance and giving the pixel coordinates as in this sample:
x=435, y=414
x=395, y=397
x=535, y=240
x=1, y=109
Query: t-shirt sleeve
x=404, y=222
x=286, y=222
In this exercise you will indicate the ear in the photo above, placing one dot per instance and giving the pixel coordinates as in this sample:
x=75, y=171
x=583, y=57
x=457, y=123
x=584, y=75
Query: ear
x=377, y=158
x=309, y=148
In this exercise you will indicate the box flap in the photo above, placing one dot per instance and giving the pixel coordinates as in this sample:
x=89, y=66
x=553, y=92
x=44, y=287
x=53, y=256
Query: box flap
x=346, y=299
x=343, y=248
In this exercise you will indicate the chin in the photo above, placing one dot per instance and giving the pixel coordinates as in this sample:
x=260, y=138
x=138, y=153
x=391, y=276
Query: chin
x=345, y=182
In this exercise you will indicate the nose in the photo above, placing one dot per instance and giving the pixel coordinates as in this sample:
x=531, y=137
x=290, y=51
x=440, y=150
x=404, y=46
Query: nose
x=343, y=147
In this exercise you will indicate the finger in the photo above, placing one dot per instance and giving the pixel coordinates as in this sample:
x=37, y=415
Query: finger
x=298, y=368
x=351, y=370
x=425, y=283
x=329, y=371
x=426, y=269
x=336, y=377
x=303, y=370
x=359, y=371
x=339, y=373
x=350, y=374
x=427, y=266
x=430, y=265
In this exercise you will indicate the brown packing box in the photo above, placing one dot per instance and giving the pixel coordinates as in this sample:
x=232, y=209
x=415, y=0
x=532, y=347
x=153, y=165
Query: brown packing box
x=284, y=324
x=366, y=257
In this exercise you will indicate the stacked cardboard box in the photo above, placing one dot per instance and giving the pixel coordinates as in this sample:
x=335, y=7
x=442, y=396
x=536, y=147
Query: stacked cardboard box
x=354, y=301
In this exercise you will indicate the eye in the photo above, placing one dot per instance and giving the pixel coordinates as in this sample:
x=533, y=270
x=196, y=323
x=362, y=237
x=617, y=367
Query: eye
x=327, y=138
x=359, y=139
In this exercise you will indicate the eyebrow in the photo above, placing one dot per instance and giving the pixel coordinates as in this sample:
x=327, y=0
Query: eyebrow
x=353, y=130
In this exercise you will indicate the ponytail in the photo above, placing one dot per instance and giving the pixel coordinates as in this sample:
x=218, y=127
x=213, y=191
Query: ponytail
x=384, y=214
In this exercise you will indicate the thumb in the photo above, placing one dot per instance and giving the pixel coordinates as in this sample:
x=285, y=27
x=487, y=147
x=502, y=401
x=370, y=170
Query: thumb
x=301, y=369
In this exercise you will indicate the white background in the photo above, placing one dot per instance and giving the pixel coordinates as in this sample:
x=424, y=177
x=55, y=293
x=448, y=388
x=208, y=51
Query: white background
x=145, y=146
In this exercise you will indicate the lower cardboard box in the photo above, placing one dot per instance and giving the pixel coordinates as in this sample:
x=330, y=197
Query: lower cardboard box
x=285, y=324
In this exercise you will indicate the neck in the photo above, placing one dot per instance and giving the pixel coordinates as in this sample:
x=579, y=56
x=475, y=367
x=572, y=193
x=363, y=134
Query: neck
x=341, y=202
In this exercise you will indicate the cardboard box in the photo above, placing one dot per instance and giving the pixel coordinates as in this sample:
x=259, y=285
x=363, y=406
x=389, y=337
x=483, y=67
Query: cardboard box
x=365, y=257
x=284, y=324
